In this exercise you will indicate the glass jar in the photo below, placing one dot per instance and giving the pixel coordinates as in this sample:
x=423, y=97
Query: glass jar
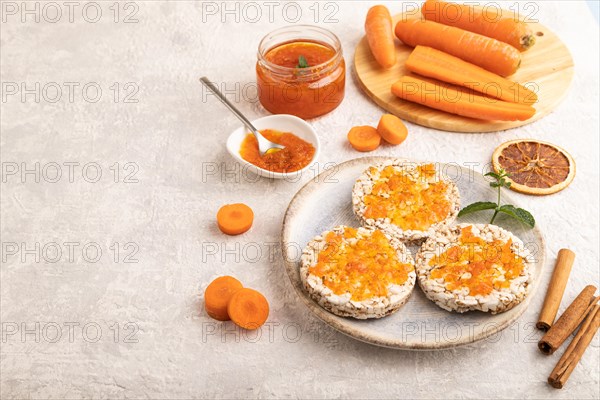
x=303, y=90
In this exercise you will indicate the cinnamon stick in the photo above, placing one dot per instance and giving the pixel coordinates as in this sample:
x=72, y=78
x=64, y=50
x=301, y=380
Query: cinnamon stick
x=556, y=288
x=567, y=363
x=568, y=321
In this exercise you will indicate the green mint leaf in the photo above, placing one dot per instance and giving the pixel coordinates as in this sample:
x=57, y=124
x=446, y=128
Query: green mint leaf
x=494, y=184
x=302, y=63
x=519, y=214
x=493, y=175
x=526, y=217
x=507, y=208
x=479, y=206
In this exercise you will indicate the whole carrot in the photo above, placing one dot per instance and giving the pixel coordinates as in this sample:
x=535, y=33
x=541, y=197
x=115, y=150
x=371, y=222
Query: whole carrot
x=436, y=64
x=486, y=21
x=458, y=101
x=485, y=52
x=380, y=36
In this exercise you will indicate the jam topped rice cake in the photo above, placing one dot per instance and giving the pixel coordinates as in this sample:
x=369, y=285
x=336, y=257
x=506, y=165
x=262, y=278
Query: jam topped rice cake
x=475, y=267
x=357, y=272
x=409, y=201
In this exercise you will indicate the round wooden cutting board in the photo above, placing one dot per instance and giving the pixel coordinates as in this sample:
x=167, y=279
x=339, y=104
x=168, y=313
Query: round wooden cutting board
x=548, y=64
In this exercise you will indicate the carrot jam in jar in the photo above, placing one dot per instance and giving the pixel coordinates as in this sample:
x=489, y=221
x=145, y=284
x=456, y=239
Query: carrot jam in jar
x=478, y=265
x=296, y=155
x=300, y=71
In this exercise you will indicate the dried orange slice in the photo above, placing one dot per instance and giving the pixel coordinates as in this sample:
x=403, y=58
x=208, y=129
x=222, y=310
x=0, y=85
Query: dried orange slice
x=535, y=167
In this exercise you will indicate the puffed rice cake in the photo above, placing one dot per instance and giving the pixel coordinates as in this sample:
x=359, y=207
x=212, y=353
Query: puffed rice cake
x=475, y=267
x=357, y=272
x=409, y=201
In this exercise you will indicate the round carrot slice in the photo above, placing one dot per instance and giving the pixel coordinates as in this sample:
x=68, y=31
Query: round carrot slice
x=534, y=167
x=392, y=129
x=248, y=309
x=235, y=219
x=364, y=138
x=218, y=294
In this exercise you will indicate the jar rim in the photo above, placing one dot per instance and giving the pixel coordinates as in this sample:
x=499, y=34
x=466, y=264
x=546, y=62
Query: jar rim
x=300, y=29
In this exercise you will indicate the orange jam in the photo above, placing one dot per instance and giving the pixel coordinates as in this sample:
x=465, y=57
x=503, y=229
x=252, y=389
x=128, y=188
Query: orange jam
x=412, y=201
x=287, y=55
x=364, y=269
x=477, y=265
x=296, y=155
x=304, y=77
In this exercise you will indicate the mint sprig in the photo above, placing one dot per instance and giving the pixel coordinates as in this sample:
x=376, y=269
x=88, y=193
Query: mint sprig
x=517, y=213
x=302, y=63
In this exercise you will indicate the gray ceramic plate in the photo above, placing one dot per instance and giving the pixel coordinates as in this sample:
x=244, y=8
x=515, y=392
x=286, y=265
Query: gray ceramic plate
x=325, y=202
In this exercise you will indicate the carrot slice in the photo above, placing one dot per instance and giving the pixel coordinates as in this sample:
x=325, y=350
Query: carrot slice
x=488, y=53
x=458, y=101
x=380, y=36
x=487, y=21
x=235, y=219
x=218, y=294
x=436, y=64
x=364, y=138
x=248, y=309
x=392, y=129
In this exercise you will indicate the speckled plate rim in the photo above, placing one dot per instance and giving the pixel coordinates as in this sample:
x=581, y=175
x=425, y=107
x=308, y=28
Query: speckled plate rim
x=339, y=323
